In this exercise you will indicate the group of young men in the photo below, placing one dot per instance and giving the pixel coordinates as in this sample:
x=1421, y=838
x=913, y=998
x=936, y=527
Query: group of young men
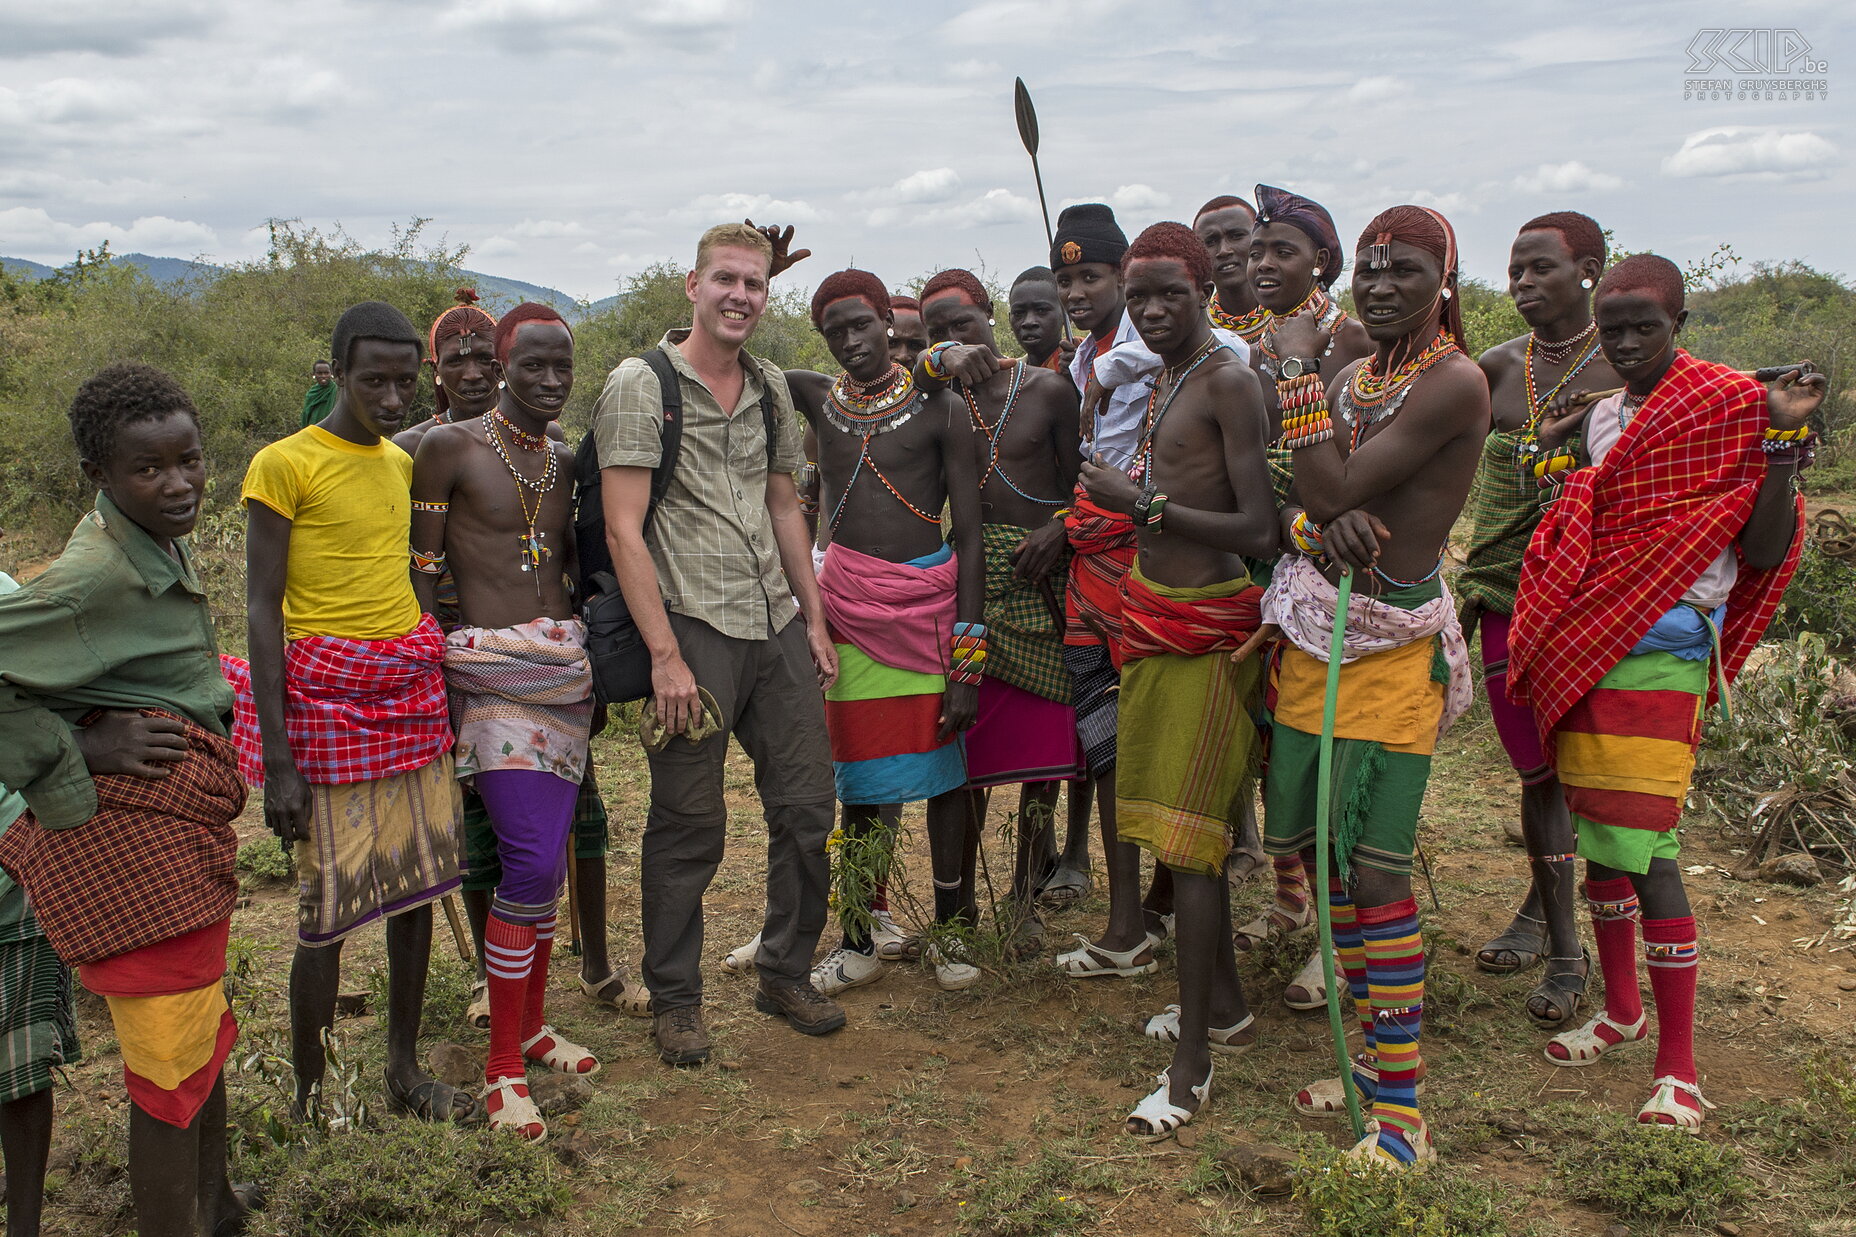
x=1115, y=562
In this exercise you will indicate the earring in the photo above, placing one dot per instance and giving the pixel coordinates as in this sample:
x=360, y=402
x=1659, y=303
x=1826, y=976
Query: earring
x=1446, y=294
x=1586, y=284
x=992, y=322
x=891, y=331
x=1317, y=272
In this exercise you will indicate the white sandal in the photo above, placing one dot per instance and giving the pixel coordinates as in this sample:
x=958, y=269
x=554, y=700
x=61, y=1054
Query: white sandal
x=563, y=1055
x=516, y=1112
x=1586, y=1045
x=1164, y=1026
x=1091, y=961
x=1312, y=978
x=1325, y=1098
x=477, y=1013
x=1663, y=1103
x=1268, y=927
x=740, y=960
x=633, y=999
x=1161, y=1114
x=1367, y=1149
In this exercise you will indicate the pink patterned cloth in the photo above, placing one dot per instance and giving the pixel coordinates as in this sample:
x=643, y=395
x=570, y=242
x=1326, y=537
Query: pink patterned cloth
x=1302, y=602
x=901, y=616
x=521, y=697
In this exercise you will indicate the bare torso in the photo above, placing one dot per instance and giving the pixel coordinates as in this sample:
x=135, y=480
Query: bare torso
x=1505, y=366
x=1028, y=462
x=893, y=506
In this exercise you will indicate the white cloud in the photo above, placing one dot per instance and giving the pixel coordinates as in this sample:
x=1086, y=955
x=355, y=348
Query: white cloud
x=70, y=101
x=33, y=233
x=102, y=27
x=1566, y=178
x=712, y=208
x=995, y=206
x=495, y=247
x=551, y=229
x=548, y=26
x=1128, y=199
x=1377, y=90
x=1765, y=153
x=917, y=188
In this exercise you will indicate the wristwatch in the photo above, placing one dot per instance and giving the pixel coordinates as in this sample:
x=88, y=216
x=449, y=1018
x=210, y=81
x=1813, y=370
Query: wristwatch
x=1295, y=366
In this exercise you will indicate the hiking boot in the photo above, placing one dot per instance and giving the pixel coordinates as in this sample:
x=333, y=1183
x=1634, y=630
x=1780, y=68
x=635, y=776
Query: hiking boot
x=681, y=1039
x=804, y=1007
x=843, y=969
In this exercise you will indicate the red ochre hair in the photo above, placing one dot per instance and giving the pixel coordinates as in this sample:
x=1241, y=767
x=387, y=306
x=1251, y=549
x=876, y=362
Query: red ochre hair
x=852, y=282
x=1646, y=275
x=905, y=302
x=1175, y=241
x=1223, y=202
x=1423, y=228
x=1583, y=237
x=463, y=318
x=956, y=280
x=515, y=319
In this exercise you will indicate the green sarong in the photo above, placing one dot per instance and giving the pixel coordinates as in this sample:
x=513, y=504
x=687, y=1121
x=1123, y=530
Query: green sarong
x=1024, y=640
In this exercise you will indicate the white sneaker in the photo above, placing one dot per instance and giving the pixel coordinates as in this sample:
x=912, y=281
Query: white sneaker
x=740, y=961
x=846, y=968
x=892, y=945
x=952, y=974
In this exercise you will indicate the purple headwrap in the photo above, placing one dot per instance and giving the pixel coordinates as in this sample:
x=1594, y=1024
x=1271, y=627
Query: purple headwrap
x=1307, y=216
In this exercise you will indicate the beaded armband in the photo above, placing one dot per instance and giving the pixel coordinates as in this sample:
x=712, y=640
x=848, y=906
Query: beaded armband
x=430, y=564
x=1801, y=452
x=969, y=654
x=435, y=508
x=1307, y=535
x=931, y=361
x=1304, y=404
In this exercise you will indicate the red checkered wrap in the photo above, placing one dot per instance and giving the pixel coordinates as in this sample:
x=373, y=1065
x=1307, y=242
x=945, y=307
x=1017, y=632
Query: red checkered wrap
x=154, y=863
x=1152, y=624
x=355, y=710
x=1629, y=536
x=1104, y=543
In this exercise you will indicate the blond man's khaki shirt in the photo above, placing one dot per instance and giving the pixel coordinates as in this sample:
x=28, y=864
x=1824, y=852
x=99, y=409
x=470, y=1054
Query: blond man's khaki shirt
x=712, y=537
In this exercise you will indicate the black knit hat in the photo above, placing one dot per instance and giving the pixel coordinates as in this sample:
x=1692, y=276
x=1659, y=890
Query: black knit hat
x=1087, y=233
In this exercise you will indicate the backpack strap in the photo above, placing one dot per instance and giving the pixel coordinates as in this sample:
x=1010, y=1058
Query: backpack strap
x=671, y=396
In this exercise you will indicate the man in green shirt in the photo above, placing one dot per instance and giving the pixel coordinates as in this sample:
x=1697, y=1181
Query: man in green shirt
x=110, y=679
x=320, y=398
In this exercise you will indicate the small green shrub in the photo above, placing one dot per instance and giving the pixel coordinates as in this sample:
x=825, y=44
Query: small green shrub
x=447, y=988
x=263, y=861
x=1039, y=1198
x=1340, y=1197
x=1818, y=599
x=1640, y=1173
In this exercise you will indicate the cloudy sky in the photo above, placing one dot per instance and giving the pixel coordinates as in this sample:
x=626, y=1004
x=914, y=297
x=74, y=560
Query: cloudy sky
x=571, y=142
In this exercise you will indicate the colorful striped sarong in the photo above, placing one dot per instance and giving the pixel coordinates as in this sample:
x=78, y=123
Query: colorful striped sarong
x=1625, y=753
x=1104, y=545
x=1189, y=749
x=376, y=849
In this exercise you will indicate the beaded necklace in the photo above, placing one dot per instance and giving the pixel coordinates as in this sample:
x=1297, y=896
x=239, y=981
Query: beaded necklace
x=1246, y=327
x=1537, y=402
x=1370, y=398
x=1144, y=450
x=533, y=548
x=1558, y=350
x=994, y=431
x=1328, y=316
x=869, y=409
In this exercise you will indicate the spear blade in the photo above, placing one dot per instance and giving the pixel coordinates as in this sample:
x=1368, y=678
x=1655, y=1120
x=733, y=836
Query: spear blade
x=1027, y=116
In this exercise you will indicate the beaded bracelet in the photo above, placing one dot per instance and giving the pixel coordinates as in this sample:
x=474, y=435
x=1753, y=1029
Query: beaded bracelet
x=931, y=360
x=1301, y=393
x=430, y=564
x=437, y=508
x=1799, y=434
x=1799, y=454
x=969, y=653
x=1307, y=535
x=1318, y=432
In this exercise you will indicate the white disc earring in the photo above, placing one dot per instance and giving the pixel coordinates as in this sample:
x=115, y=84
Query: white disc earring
x=1586, y=284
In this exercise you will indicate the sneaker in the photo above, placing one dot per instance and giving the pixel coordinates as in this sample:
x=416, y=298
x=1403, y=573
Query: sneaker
x=952, y=974
x=892, y=944
x=844, y=969
x=681, y=1039
x=804, y=1007
x=740, y=960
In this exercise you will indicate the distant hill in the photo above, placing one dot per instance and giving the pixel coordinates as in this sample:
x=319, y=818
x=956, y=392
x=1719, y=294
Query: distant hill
x=498, y=293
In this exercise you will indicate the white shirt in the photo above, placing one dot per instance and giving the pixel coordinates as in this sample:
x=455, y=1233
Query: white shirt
x=1125, y=363
x=1117, y=430
x=1602, y=432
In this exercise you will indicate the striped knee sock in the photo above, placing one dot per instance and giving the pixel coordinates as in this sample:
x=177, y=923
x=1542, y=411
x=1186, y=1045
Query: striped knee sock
x=1669, y=950
x=1395, y=975
x=1291, y=888
x=508, y=957
x=1615, y=914
x=1350, y=956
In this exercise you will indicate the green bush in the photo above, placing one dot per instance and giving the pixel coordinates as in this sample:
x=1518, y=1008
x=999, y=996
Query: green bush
x=1636, y=1172
x=1341, y=1197
x=265, y=861
x=1818, y=599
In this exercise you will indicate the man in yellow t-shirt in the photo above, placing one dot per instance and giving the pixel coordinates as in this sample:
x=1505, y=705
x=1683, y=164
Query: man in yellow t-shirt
x=350, y=700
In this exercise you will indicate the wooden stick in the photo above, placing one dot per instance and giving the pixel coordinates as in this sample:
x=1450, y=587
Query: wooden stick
x=573, y=896
x=458, y=933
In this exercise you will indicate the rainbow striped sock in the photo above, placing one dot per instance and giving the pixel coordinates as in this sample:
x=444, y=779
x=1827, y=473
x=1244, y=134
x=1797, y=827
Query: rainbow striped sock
x=1395, y=975
x=1350, y=956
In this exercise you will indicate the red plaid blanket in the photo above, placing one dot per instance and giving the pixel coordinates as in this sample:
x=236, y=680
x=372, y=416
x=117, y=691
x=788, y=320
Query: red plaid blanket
x=355, y=710
x=1153, y=624
x=154, y=863
x=1104, y=544
x=1628, y=537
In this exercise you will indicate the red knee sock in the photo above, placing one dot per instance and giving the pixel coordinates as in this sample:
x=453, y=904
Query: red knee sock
x=508, y=957
x=537, y=994
x=1669, y=951
x=1614, y=925
x=1291, y=888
